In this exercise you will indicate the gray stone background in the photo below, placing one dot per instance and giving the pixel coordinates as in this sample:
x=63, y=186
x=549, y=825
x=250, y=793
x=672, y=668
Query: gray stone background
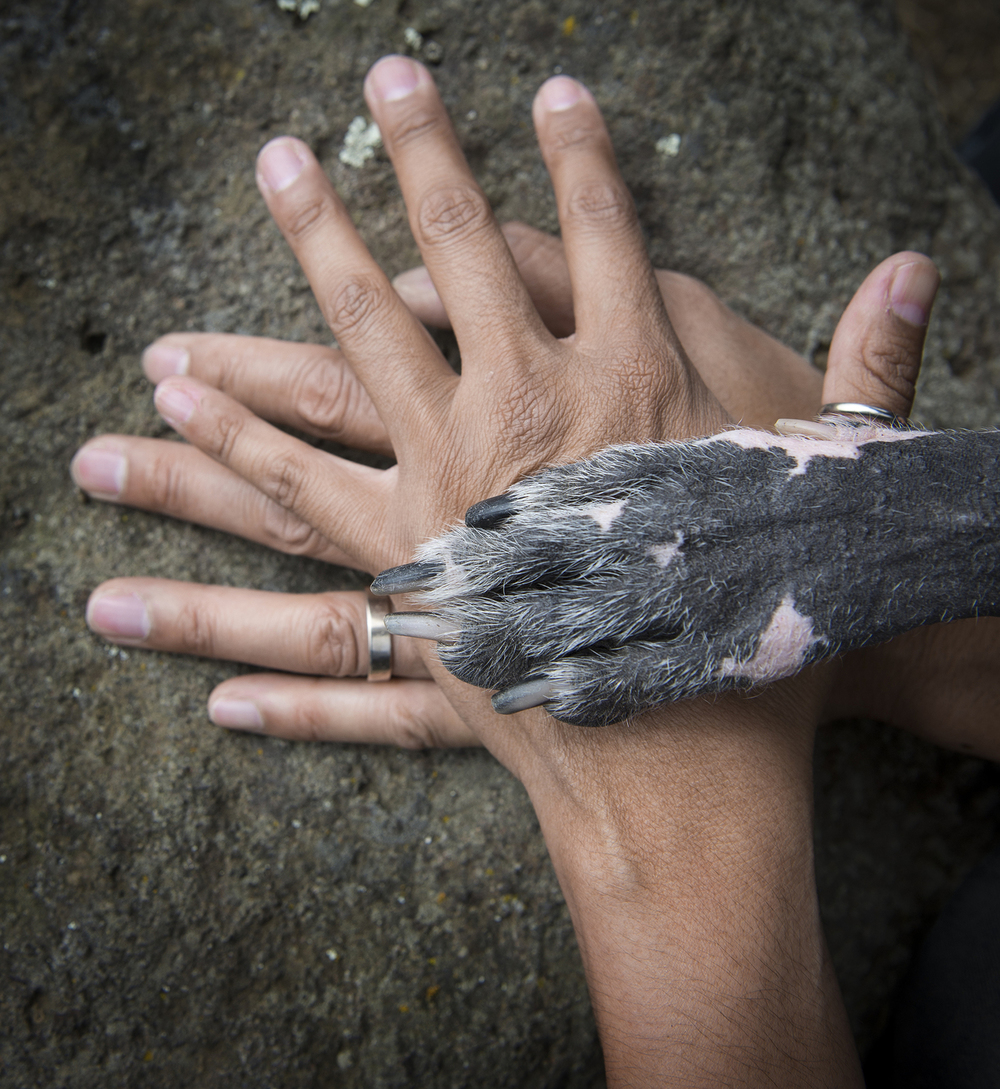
x=185, y=906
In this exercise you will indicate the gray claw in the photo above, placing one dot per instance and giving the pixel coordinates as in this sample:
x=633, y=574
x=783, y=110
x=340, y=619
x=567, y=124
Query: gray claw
x=422, y=626
x=520, y=697
x=409, y=576
x=490, y=512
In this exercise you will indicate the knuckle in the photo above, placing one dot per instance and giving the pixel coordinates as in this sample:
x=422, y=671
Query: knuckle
x=289, y=533
x=225, y=435
x=333, y=644
x=324, y=397
x=165, y=484
x=453, y=213
x=196, y=631
x=284, y=480
x=892, y=361
x=415, y=124
x=356, y=307
x=411, y=727
x=302, y=220
x=579, y=132
x=601, y=202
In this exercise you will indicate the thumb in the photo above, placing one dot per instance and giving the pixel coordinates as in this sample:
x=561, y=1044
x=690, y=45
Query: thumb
x=878, y=344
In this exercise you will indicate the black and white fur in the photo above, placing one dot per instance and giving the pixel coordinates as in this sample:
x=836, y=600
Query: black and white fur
x=651, y=573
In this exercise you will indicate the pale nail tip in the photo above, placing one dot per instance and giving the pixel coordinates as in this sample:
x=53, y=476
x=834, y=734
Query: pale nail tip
x=409, y=576
x=522, y=697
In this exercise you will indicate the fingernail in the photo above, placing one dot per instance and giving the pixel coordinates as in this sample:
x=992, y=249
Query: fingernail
x=911, y=295
x=174, y=404
x=422, y=626
x=160, y=361
x=236, y=715
x=279, y=164
x=100, y=472
x=393, y=78
x=560, y=93
x=408, y=577
x=520, y=697
x=489, y=513
x=119, y=616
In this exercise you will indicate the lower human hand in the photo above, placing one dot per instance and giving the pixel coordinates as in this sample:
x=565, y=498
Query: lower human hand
x=314, y=390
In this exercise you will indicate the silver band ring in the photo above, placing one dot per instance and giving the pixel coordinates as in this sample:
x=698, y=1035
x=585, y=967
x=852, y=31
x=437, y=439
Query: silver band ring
x=379, y=639
x=868, y=412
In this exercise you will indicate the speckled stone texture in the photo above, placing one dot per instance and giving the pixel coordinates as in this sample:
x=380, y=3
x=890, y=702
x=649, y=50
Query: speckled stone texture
x=185, y=906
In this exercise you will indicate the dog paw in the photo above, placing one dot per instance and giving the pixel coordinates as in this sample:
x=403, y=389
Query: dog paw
x=652, y=573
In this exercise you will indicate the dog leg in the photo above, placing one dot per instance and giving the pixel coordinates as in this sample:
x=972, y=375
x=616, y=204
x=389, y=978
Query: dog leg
x=653, y=573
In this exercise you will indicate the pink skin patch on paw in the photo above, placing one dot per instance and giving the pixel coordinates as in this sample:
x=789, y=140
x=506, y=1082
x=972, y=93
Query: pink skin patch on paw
x=804, y=448
x=604, y=514
x=782, y=648
x=665, y=554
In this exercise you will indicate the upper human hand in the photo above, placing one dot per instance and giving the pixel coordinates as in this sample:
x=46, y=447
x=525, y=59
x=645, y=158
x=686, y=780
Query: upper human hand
x=525, y=398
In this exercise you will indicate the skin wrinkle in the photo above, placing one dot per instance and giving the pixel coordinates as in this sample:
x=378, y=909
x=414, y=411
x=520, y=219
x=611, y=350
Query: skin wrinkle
x=357, y=308
x=336, y=647
x=326, y=398
x=290, y=533
x=308, y=218
x=452, y=215
x=225, y=435
x=166, y=483
x=600, y=208
x=196, y=631
x=885, y=366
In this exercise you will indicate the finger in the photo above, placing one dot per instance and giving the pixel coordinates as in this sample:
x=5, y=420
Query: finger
x=388, y=349
x=413, y=714
x=323, y=634
x=755, y=378
x=612, y=278
x=541, y=264
x=878, y=344
x=177, y=479
x=416, y=288
x=327, y=492
x=306, y=386
x=461, y=243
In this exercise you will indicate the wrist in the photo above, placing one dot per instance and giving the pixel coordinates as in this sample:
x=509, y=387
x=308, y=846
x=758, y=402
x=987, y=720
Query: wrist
x=684, y=849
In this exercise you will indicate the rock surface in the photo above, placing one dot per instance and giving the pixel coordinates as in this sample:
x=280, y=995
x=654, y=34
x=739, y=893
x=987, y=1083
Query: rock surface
x=181, y=905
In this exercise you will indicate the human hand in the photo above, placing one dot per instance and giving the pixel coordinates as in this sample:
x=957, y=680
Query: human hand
x=196, y=484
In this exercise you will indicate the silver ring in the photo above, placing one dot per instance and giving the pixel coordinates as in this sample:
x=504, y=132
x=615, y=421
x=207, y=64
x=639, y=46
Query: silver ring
x=379, y=639
x=866, y=412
